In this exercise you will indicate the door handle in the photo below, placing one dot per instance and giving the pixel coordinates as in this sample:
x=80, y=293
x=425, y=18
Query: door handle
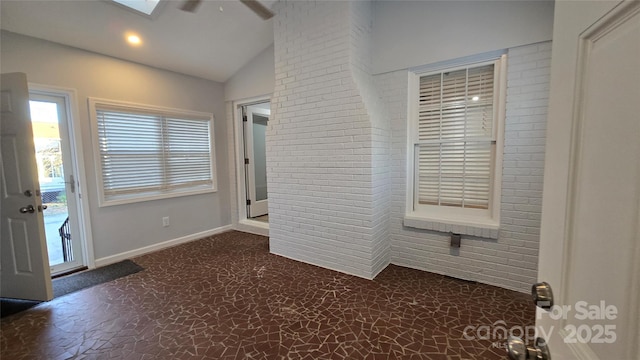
x=517, y=349
x=42, y=207
x=27, y=209
x=542, y=295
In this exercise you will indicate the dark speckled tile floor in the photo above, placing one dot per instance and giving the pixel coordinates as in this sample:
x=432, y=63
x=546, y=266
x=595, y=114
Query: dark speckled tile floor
x=226, y=297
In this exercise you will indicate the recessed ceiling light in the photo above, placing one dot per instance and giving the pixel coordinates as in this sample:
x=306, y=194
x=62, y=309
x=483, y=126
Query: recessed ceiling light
x=134, y=40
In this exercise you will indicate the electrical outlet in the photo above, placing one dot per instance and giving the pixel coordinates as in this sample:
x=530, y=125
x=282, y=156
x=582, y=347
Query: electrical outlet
x=455, y=240
x=165, y=221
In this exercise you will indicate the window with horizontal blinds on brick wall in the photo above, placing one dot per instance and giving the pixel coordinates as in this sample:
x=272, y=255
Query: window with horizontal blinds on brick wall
x=145, y=152
x=455, y=138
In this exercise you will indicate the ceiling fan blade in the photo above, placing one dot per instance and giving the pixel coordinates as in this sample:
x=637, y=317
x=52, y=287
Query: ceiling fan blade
x=258, y=8
x=190, y=5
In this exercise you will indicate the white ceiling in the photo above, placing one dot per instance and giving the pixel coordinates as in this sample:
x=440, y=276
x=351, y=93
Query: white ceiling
x=209, y=44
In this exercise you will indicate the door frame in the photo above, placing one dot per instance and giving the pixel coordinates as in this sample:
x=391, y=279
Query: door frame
x=257, y=205
x=244, y=223
x=75, y=141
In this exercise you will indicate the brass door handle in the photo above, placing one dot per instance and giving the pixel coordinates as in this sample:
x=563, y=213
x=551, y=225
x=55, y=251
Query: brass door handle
x=542, y=295
x=518, y=350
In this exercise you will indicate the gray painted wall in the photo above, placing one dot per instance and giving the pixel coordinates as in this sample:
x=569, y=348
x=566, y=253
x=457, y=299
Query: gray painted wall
x=122, y=228
x=257, y=78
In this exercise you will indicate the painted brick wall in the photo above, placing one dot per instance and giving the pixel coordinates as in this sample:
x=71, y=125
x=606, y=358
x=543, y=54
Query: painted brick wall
x=511, y=260
x=360, y=34
x=337, y=156
x=326, y=198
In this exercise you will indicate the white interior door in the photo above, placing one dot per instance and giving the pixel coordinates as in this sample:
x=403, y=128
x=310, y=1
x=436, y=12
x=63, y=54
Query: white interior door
x=24, y=263
x=255, y=151
x=590, y=236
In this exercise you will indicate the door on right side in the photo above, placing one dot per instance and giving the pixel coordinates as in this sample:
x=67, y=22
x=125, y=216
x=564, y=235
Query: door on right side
x=590, y=236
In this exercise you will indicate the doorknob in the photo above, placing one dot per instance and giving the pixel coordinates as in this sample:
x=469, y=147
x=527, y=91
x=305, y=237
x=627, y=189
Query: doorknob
x=27, y=209
x=542, y=295
x=42, y=207
x=517, y=349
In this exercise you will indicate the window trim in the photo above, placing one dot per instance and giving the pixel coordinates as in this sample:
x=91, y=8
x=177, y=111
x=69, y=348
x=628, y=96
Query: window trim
x=440, y=218
x=95, y=103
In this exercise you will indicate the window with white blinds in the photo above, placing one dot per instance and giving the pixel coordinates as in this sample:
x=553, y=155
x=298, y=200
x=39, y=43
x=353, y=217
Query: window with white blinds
x=150, y=153
x=455, y=139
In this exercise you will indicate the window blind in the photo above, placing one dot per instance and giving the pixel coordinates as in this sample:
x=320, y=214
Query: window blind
x=455, y=138
x=152, y=153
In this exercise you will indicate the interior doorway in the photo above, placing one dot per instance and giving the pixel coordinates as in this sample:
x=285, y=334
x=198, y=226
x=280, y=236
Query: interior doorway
x=57, y=178
x=255, y=118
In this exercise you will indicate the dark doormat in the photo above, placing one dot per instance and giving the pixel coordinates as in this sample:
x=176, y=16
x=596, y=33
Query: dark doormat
x=13, y=306
x=72, y=283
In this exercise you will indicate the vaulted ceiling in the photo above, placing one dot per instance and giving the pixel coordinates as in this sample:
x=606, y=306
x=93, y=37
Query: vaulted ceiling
x=212, y=43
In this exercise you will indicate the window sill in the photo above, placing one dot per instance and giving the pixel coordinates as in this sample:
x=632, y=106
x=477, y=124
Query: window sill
x=481, y=227
x=142, y=197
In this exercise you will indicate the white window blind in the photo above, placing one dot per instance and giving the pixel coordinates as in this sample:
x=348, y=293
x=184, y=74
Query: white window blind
x=148, y=153
x=455, y=144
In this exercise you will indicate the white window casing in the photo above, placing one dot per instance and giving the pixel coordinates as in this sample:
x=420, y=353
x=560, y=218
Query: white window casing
x=455, y=145
x=146, y=152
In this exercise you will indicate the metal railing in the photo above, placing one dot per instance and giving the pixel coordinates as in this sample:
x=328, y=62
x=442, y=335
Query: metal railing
x=65, y=236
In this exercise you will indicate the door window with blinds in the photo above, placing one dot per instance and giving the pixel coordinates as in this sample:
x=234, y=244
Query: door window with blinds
x=145, y=153
x=457, y=121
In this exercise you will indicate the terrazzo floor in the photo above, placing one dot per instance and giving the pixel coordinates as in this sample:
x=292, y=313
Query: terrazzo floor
x=226, y=297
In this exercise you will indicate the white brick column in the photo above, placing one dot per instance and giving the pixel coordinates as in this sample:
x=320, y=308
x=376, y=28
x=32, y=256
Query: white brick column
x=326, y=162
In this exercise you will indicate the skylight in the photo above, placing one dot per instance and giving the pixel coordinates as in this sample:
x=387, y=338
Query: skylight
x=143, y=6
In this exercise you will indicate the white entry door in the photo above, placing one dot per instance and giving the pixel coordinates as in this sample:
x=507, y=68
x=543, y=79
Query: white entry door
x=590, y=236
x=255, y=127
x=58, y=183
x=24, y=264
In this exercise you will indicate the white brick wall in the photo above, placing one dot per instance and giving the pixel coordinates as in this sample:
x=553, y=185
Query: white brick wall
x=361, y=28
x=511, y=260
x=337, y=156
x=326, y=196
